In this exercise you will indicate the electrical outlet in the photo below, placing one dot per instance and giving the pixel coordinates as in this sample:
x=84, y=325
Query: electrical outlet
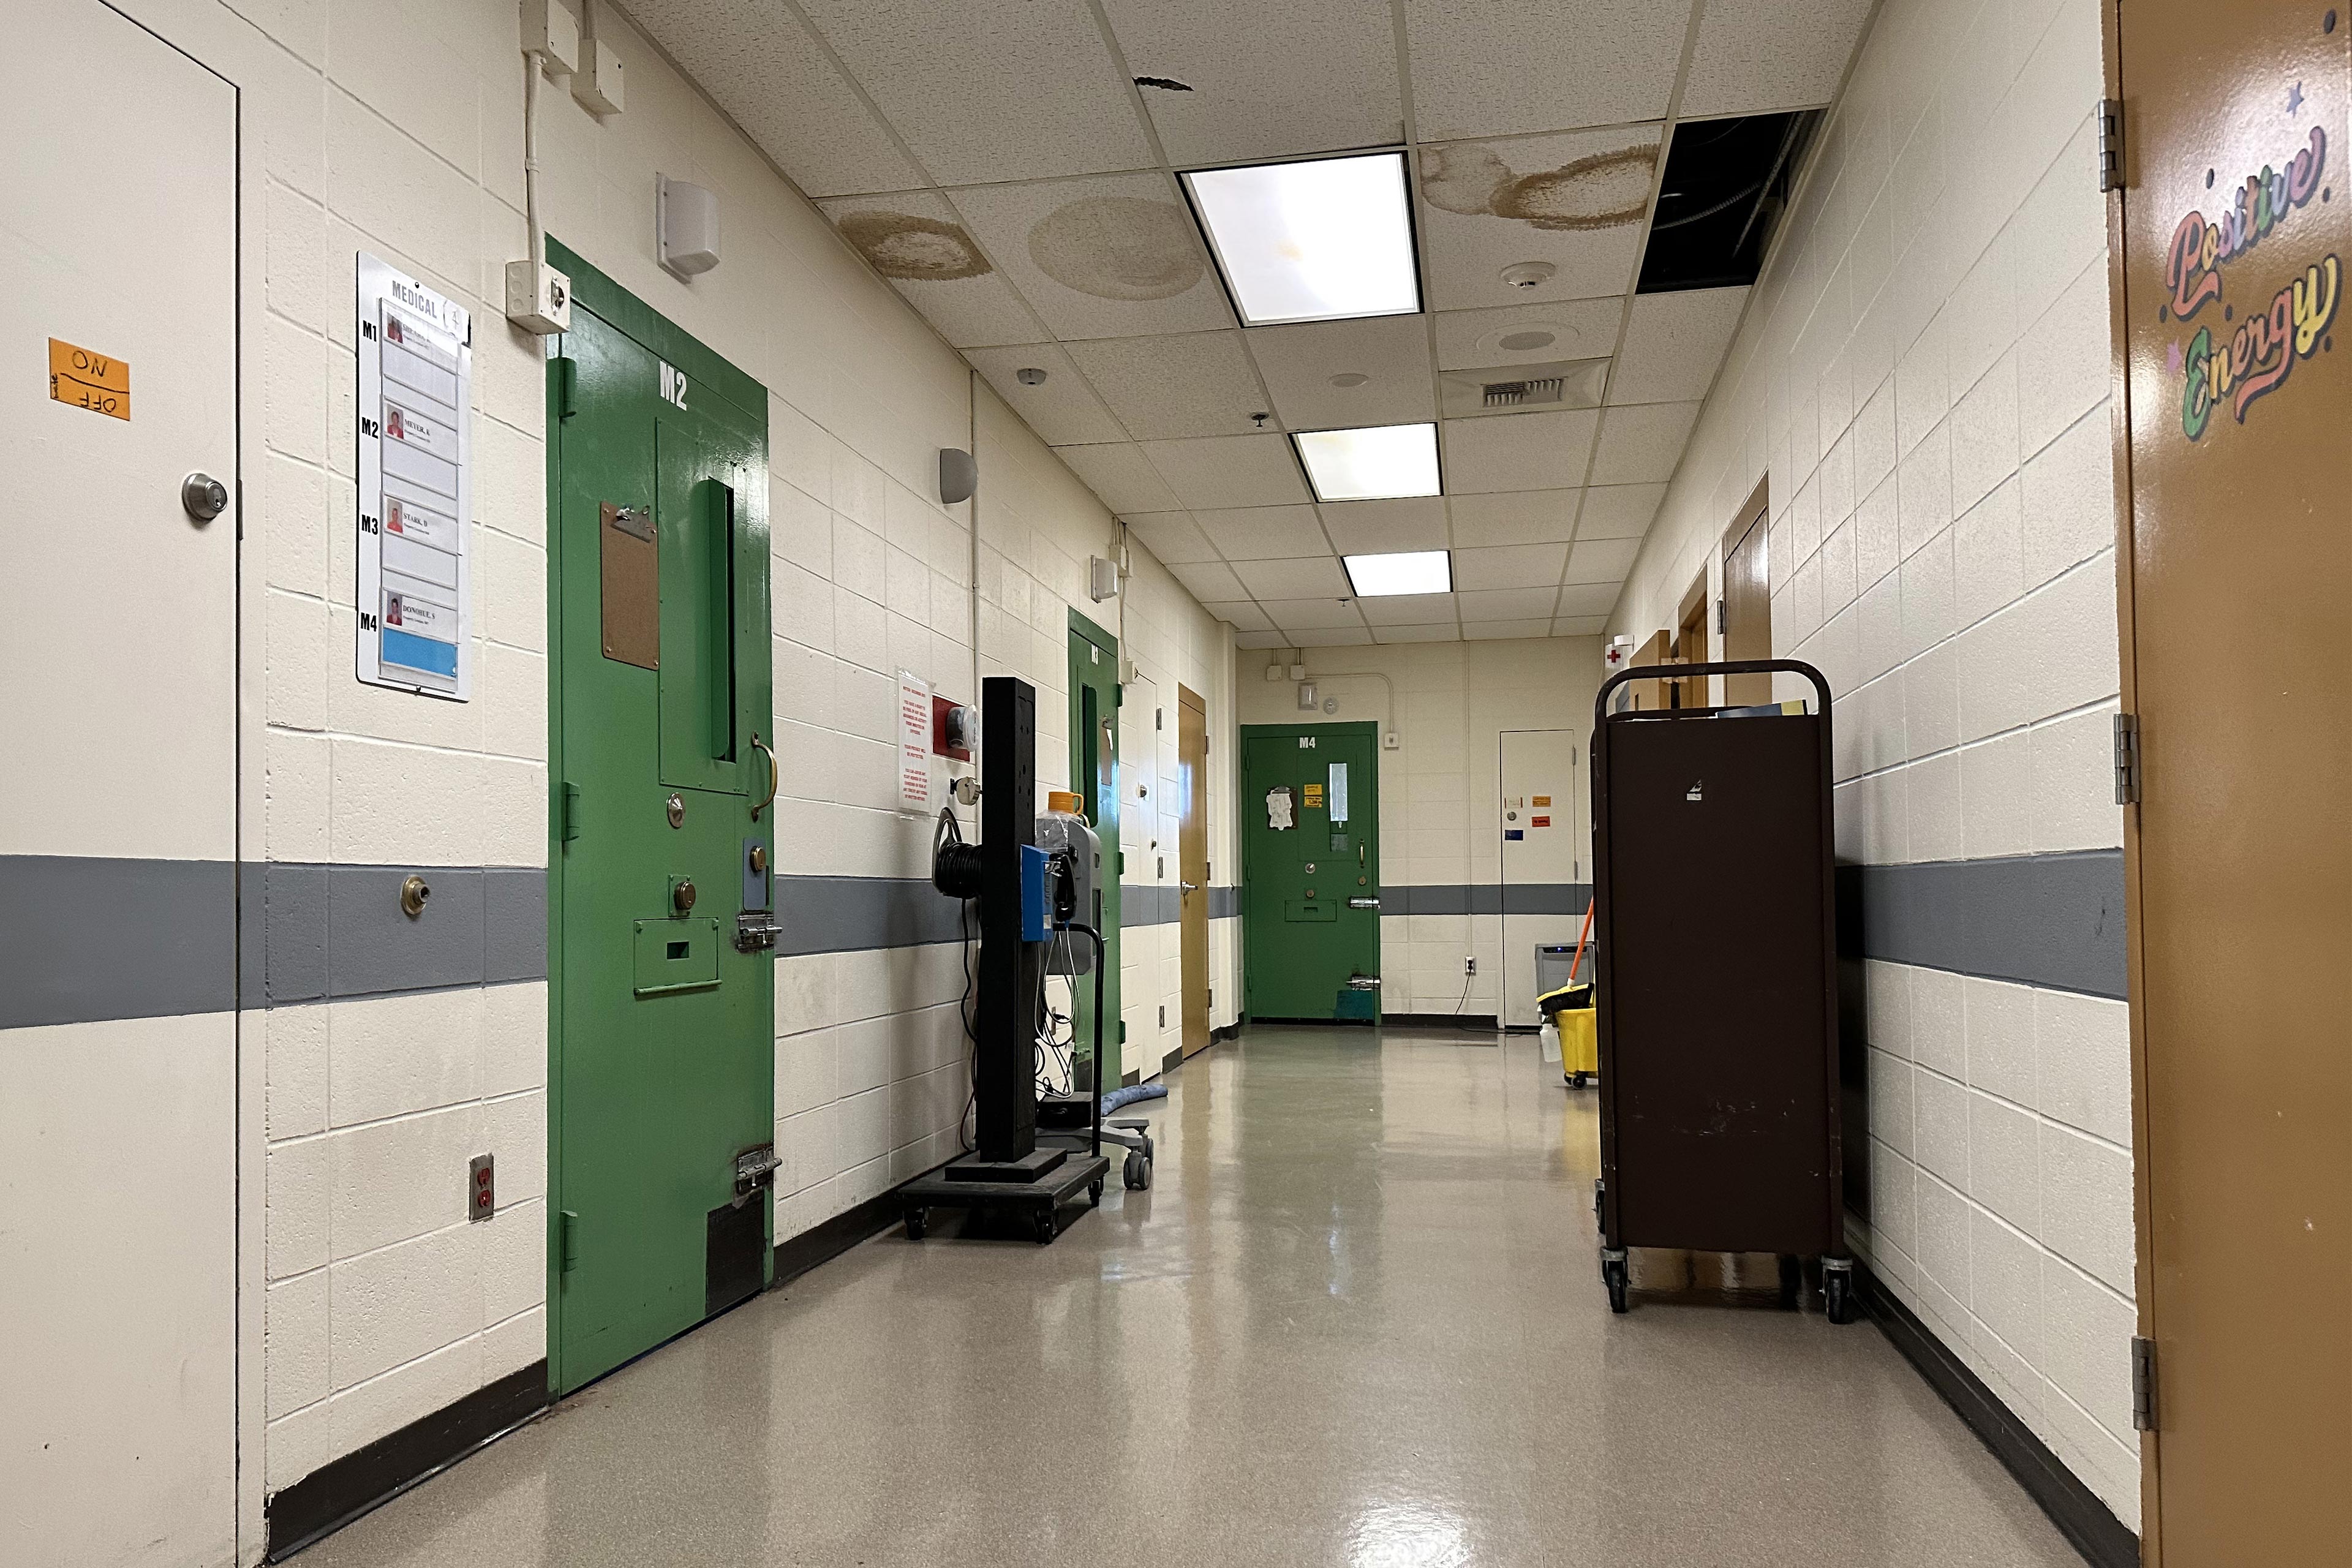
x=481, y=1187
x=1469, y=966
x=1163, y=1015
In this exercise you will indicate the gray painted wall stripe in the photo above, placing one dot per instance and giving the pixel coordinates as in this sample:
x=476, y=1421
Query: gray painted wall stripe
x=1152, y=904
x=84, y=937
x=1486, y=899
x=315, y=932
x=848, y=914
x=2055, y=921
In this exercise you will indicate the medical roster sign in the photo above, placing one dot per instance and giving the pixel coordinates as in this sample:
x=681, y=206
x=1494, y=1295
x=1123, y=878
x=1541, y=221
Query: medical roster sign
x=415, y=492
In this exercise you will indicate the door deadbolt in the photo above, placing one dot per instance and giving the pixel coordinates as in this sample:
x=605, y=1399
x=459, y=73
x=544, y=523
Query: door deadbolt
x=681, y=897
x=203, y=497
x=412, y=894
x=676, y=809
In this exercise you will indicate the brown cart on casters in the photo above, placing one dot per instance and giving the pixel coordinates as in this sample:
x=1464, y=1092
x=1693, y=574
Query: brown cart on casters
x=1719, y=1097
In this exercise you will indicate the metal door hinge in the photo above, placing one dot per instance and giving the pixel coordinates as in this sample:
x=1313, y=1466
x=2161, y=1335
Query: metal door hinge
x=567, y=1248
x=567, y=807
x=2111, y=144
x=2128, y=772
x=2143, y=1355
x=1722, y=618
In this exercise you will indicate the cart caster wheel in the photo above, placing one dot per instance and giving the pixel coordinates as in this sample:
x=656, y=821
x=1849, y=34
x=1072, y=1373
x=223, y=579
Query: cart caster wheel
x=1837, y=1295
x=1136, y=1173
x=1581, y=1079
x=1094, y=1193
x=1151, y=1151
x=1616, y=1276
x=1600, y=1191
x=917, y=1222
x=1047, y=1227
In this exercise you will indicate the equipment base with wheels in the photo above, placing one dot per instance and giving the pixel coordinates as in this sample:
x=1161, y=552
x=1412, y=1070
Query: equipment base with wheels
x=1040, y=1201
x=1837, y=1288
x=1616, y=1275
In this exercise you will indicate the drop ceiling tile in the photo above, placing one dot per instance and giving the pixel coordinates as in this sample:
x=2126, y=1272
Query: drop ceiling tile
x=1507, y=603
x=761, y=65
x=1490, y=67
x=1112, y=256
x=1519, y=451
x=1063, y=410
x=1589, y=598
x=1118, y=473
x=1306, y=614
x=1514, y=517
x=1260, y=639
x=1408, y=609
x=1313, y=577
x=1444, y=631
x=1529, y=334
x=1385, y=527
x=1265, y=533
x=1641, y=444
x=1391, y=352
x=1577, y=203
x=1210, y=580
x=1172, y=537
x=1490, y=631
x=1178, y=384
x=1579, y=625
x=1509, y=566
x=940, y=74
x=1213, y=472
x=1333, y=637
x=915, y=240
x=1674, y=343
x=1601, y=560
x=1241, y=614
x=1325, y=79
x=1757, y=55
x=1619, y=511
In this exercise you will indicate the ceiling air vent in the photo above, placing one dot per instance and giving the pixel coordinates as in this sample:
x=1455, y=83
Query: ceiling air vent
x=1523, y=394
x=1520, y=388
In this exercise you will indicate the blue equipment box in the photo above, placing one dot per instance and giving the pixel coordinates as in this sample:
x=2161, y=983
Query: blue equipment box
x=1036, y=905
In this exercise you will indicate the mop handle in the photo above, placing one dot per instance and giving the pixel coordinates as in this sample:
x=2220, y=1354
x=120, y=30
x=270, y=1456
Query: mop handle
x=1575, y=963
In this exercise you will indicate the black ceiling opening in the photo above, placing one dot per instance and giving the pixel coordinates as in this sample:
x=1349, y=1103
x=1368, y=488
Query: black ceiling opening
x=1726, y=183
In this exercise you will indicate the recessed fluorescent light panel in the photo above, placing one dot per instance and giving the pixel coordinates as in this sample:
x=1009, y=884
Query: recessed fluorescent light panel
x=1320, y=241
x=1409, y=571
x=1379, y=462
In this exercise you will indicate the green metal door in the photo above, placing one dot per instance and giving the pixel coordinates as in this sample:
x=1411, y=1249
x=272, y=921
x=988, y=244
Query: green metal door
x=1311, y=869
x=662, y=1068
x=1094, y=776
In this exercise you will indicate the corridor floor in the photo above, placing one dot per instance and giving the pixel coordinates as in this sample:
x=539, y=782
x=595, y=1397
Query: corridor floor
x=1356, y=1322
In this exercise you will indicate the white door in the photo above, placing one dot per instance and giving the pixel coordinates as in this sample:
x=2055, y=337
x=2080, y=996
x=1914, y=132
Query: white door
x=1543, y=855
x=118, y=783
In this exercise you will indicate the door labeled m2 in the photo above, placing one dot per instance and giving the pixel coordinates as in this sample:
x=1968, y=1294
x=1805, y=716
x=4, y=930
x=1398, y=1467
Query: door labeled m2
x=662, y=1071
x=1311, y=868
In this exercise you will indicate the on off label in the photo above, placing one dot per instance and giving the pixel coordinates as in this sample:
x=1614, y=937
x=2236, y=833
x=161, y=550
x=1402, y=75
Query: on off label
x=87, y=379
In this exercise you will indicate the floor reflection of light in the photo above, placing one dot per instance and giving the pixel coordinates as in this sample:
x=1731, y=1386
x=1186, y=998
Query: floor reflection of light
x=1407, y=1535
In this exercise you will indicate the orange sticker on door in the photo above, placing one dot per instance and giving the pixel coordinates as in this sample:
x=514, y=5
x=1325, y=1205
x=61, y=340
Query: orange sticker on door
x=87, y=379
x=1543, y=800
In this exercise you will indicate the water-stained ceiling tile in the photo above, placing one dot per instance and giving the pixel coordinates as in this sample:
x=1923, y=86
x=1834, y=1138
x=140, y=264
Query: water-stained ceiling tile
x=1119, y=473
x=1514, y=517
x=1642, y=443
x=1529, y=334
x=1601, y=560
x=1335, y=375
x=761, y=64
x=1674, y=343
x=991, y=90
x=1409, y=610
x=1541, y=451
x=1539, y=218
x=1325, y=79
x=1177, y=384
x=1385, y=527
x=1757, y=54
x=1312, y=577
x=1113, y=257
x=1619, y=511
x=1509, y=566
x=1061, y=408
x=1264, y=532
x=914, y=239
x=1172, y=537
x=1491, y=68
x=1217, y=471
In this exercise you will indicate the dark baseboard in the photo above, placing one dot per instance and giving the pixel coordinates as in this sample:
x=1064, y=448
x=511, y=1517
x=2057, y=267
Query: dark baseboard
x=1173, y=1060
x=335, y=1494
x=1230, y=1032
x=2104, y=1541
x=824, y=1242
x=1466, y=1022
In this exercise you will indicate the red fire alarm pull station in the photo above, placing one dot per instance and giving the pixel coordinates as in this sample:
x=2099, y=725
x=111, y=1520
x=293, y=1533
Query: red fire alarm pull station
x=951, y=729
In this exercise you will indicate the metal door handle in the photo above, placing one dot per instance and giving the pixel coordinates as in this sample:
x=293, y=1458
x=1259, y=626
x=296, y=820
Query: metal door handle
x=1189, y=887
x=774, y=778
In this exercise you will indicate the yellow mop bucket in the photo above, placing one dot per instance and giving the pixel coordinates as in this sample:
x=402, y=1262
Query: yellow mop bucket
x=1571, y=1009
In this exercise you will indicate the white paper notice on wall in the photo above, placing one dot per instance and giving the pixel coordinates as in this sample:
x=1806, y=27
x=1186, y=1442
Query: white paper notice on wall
x=914, y=743
x=414, y=592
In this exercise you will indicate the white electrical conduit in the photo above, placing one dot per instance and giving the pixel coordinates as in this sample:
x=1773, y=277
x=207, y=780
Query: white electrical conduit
x=537, y=63
x=1389, y=729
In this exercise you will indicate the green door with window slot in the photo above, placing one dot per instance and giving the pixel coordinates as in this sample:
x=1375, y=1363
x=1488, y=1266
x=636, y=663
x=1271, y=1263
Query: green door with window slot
x=1094, y=777
x=661, y=1079
x=1310, y=868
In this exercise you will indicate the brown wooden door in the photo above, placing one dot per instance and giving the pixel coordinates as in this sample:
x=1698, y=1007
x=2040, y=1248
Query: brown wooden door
x=1748, y=602
x=1193, y=862
x=2239, y=664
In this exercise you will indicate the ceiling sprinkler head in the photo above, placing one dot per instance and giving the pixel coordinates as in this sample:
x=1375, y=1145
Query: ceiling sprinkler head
x=1528, y=274
x=1029, y=376
x=1259, y=419
x=1349, y=378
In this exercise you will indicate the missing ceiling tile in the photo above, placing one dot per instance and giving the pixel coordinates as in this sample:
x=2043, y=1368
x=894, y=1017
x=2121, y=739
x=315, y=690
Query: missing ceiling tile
x=1726, y=186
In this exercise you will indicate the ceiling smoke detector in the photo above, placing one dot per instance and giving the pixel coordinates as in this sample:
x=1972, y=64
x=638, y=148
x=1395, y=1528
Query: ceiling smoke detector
x=1029, y=376
x=1528, y=274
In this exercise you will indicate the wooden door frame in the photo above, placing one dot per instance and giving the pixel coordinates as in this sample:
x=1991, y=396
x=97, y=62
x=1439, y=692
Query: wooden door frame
x=1755, y=513
x=1693, y=604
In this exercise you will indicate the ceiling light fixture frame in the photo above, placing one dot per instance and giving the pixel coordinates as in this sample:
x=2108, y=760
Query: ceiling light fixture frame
x=1402, y=153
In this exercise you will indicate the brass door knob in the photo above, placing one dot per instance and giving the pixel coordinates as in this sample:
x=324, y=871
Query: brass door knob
x=759, y=858
x=682, y=896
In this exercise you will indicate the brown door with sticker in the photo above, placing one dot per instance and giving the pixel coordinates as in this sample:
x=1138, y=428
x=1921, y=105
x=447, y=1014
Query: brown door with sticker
x=2236, y=226
x=1748, y=602
x=1193, y=862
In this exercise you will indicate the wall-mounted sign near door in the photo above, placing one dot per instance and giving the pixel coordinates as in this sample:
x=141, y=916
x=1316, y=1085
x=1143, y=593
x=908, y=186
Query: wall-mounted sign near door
x=415, y=463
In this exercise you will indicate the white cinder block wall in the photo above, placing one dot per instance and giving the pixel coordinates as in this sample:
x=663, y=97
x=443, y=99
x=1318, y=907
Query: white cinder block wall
x=1439, y=789
x=369, y=1301
x=1923, y=374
